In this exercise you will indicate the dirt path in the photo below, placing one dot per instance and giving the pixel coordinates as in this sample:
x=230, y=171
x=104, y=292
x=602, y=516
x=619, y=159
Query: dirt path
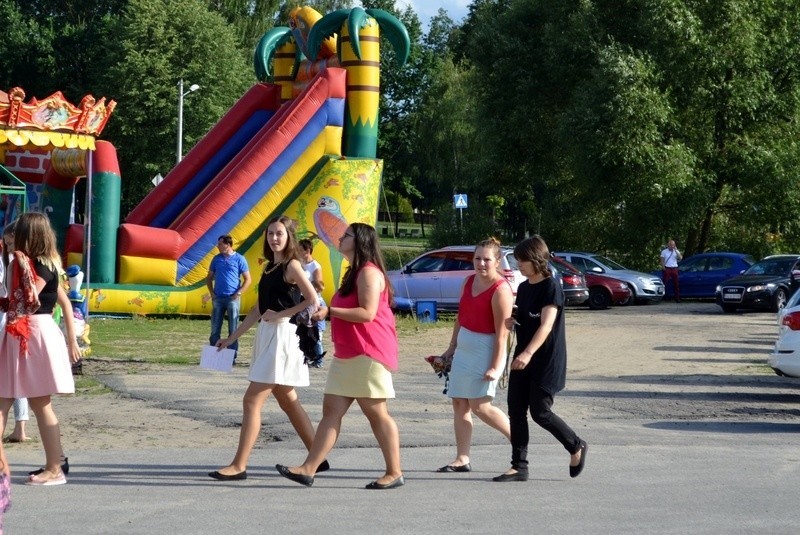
x=661, y=362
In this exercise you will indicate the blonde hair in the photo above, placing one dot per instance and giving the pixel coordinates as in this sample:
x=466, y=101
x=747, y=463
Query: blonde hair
x=490, y=243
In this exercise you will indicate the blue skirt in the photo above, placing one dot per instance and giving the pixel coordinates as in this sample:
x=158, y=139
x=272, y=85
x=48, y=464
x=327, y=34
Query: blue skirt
x=472, y=358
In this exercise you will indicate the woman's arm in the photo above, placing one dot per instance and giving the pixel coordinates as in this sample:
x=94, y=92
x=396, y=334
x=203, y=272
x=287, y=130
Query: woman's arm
x=244, y=326
x=548, y=319
x=502, y=301
x=66, y=308
x=370, y=285
x=316, y=279
x=296, y=275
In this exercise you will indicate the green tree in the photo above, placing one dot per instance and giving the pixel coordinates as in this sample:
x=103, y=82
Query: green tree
x=639, y=120
x=160, y=42
x=56, y=45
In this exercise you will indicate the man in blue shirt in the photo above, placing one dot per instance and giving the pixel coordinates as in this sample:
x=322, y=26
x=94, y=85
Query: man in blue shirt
x=228, y=278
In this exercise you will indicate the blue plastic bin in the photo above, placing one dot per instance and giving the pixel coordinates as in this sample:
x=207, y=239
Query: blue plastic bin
x=426, y=311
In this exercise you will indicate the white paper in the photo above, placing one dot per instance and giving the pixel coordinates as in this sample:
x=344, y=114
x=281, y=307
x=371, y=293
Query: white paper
x=213, y=359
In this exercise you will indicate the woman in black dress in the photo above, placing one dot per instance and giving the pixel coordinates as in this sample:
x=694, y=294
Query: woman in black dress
x=539, y=368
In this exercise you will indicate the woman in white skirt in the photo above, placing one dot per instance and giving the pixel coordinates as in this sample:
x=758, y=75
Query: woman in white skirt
x=277, y=366
x=478, y=348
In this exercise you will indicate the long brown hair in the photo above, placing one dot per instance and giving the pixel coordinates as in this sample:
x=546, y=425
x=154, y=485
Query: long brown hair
x=366, y=250
x=535, y=251
x=34, y=236
x=292, y=249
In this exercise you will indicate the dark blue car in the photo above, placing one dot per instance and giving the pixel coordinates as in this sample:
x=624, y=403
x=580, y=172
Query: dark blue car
x=700, y=274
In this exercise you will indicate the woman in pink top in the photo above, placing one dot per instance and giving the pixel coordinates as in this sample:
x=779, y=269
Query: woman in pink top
x=478, y=348
x=365, y=353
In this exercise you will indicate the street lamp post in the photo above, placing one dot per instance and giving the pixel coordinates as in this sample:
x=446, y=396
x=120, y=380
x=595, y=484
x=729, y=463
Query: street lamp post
x=181, y=94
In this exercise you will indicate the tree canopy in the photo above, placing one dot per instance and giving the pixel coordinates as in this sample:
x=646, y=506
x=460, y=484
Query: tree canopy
x=607, y=125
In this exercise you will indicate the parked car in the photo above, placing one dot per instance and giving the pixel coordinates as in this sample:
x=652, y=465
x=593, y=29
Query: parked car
x=700, y=274
x=766, y=285
x=785, y=357
x=572, y=281
x=439, y=274
x=644, y=287
x=793, y=301
x=605, y=291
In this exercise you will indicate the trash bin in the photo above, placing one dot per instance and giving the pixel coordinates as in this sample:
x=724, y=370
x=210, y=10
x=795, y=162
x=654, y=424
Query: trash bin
x=426, y=311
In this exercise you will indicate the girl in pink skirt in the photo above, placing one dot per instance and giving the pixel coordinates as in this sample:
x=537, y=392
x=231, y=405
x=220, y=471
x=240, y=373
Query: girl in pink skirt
x=35, y=360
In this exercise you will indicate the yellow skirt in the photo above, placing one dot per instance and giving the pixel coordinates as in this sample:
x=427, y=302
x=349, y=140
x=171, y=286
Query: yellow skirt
x=359, y=377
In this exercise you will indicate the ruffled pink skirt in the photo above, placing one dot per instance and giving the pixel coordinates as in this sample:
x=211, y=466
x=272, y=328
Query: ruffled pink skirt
x=44, y=371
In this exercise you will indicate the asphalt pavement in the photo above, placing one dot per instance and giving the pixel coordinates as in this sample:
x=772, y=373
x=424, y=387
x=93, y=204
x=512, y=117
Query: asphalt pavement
x=696, y=454
x=642, y=475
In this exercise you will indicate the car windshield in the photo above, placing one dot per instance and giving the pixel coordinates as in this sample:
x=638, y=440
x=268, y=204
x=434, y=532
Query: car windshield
x=793, y=301
x=512, y=262
x=607, y=262
x=773, y=266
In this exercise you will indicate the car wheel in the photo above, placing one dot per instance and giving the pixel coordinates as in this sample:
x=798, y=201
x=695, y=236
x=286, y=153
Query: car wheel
x=729, y=308
x=599, y=299
x=779, y=300
x=633, y=299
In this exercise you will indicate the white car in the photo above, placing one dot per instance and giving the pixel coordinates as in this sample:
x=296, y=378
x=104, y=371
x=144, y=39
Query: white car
x=785, y=357
x=438, y=275
x=645, y=288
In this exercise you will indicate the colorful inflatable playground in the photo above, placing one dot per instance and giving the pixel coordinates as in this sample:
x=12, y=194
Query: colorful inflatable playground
x=301, y=142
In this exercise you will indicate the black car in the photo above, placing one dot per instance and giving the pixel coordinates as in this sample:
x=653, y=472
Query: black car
x=765, y=285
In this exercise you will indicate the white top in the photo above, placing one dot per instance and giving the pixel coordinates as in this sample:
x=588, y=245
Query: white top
x=310, y=268
x=670, y=257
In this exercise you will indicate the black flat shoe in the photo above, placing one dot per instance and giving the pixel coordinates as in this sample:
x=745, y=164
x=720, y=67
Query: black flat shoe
x=64, y=468
x=455, y=468
x=224, y=477
x=324, y=467
x=297, y=478
x=399, y=482
x=575, y=471
x=519, y=475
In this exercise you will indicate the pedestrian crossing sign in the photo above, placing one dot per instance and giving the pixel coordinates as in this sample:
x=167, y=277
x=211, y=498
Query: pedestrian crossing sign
x=460, y=200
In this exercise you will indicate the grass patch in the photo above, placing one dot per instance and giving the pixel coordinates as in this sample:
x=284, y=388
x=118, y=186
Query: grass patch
x=397, y=255
x=408, y=324
x=88, y=386
x=154, y=340
x=177, y=341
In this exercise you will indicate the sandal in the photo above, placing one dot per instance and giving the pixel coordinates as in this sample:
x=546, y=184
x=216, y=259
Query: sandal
x=64, y=469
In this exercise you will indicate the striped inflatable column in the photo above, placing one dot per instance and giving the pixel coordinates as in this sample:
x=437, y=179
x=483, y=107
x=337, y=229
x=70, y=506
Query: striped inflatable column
x=105, y=198
x=284, y=66
x=363, y=91
x=58, y=193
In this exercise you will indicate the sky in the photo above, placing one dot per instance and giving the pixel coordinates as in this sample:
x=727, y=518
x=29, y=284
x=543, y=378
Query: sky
x=425, y=9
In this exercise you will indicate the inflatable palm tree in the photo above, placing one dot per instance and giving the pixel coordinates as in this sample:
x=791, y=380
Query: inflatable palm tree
x=358, y=47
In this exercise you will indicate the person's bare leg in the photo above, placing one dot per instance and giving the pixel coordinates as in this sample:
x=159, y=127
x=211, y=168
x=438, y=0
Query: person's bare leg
x=385, y=430
x=287, y=399
x=5, y=406
x=462, y=425
x=19, y=434
x=252, y=402
x=50, y=435
x=491, y=415
x=333, y=410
